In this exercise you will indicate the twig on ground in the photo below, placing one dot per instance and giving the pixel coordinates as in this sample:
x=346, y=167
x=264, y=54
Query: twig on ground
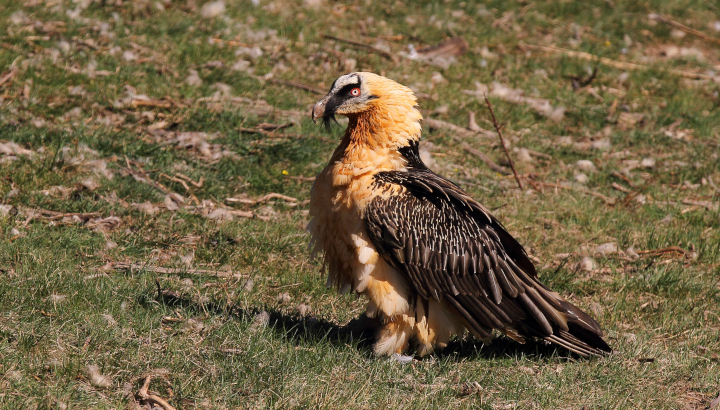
x=295, y=84
x=630, y=196
x=144, y=395
x=175, y=179
x=608, y=200
x=669, y=249
x=141, y=176
x=47, y=215
x=538, y=154
x=221, y=212
x=502, y=142
x=125, y=266
x=438, y=124
x=274, y=127
x=263, y=198
x=9, y=75
x=270, y=134
x=363, y=46
x=231, y=43
x=668, y=203
x=620, y=188
x=184, y=184
x=260, y=108
x=454, y=46
x=198, y=184
x=612, y=63
x=536, y=186
x=249, y=106
x=54, y=215
x=151, y=103
x=710, y=206
x=303, y=178
x=487, y=160
x=287, y=286
x=682, y=27
x=475, y=184
x=270, y=130
x=624, y=178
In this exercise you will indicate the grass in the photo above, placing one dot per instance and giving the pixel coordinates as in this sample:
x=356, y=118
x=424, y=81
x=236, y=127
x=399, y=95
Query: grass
x=270, y=335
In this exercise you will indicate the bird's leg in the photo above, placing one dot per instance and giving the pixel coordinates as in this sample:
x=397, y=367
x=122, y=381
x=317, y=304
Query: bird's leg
x=393, y=336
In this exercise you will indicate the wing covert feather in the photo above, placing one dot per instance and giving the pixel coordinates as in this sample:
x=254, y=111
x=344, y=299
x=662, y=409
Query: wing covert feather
x=450, y=248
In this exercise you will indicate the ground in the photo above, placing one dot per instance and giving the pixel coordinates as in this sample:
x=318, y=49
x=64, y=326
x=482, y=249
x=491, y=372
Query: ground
x=139, y=141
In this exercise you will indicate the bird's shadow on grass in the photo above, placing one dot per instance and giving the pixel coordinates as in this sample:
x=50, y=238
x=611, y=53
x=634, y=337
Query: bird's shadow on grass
x=359, y=333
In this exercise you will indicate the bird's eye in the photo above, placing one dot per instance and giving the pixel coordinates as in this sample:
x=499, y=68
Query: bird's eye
x=355, y=92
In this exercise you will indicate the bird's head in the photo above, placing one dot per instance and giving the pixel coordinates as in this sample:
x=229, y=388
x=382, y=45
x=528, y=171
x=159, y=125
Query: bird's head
x=357, y=93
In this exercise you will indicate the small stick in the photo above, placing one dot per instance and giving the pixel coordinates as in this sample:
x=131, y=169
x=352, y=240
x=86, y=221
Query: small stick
x=47, y=215
x=624, y=178
x=303, y=178
x=54, y=215
x=141, y=176
x=152, y=398
x=487, y=160
x=232, y=43
x=274, y=127
x=151, y=103
x=271, y=134
x=302, y=86
x=125, y=266
x=175, y=179
x=682, y=27
x=669, y=249
x=612, y=63
x=263, y=198
x=608, y=200
x=287, y=286
x=538, y=154
x=259, y=109
x=502, y=142
x=9, y=75
x=361, y=45
x=439, y=124
x=184, y=184
x=705, y=204
x=620, y=188
x=629, y=197
x=198, y=184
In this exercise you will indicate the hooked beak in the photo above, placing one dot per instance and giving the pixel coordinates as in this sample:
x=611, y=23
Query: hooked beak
x=319, y=109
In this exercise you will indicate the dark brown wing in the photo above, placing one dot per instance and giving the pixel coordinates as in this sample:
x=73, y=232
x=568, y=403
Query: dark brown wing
x=452, y=249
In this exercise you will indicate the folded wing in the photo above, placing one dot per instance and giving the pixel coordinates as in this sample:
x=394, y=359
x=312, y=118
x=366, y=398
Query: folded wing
x=451, y=249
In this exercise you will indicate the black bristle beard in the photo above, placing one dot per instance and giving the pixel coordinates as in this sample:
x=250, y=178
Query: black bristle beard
x=326, y=120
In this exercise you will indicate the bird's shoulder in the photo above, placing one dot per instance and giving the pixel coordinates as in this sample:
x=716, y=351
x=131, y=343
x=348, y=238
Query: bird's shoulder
x=434, y=207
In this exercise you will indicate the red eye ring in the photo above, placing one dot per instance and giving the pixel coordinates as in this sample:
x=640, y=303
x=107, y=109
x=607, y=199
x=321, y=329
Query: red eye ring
x=355, y=92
